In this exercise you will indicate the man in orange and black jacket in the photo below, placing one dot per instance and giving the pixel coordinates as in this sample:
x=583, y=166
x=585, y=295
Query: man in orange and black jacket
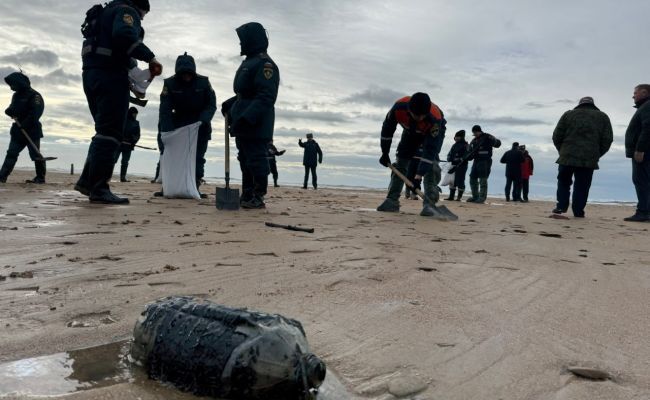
x=423, y=124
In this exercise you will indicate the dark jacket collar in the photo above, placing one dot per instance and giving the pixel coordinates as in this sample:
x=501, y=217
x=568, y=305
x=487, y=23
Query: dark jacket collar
x=587, y=106
x=641, y=102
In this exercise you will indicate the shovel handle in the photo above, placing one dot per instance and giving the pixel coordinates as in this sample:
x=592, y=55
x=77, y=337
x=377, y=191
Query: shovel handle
x=227, y=149
x=408, y=183
x=28, y=139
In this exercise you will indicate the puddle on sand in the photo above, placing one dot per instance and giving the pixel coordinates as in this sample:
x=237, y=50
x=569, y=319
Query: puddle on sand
x=95, y=368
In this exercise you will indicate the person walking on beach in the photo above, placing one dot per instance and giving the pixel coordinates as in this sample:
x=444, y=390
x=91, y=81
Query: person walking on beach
x=637, y=147
x=313, y=155
x=273, y=165
x=480, y=150
x=112, y=42
x=252, y=112
x=582, y=136
x=186, y=98
x=423, y=124
x=457, y=157
x=26, y=109
x=513, y=159
x=131, y=138
x=527, y=168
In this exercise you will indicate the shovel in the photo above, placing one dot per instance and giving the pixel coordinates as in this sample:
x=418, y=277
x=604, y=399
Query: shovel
x=441, y=212
x=31, y=143
x=227, y=198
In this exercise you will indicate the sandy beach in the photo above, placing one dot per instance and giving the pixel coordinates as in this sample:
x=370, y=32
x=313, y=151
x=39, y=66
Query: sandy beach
x=495, y=306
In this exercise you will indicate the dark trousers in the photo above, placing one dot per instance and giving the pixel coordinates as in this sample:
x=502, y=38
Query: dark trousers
x=580, y=178
x=201, y=148
x=641, y=180
x=254, y=167
x=125, y=152
x=107, y=92
x=314, y=177
x=273, y=165
x=411, y=171
x=525, y=188
x=17, y=145
x=459, y=177
x=513, y=183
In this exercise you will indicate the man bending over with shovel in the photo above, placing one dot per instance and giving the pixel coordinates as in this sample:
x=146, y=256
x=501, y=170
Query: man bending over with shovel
x=26, y=109
x=423, y=125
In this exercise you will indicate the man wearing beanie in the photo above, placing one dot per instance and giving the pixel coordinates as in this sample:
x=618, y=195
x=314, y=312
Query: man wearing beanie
x=582, y=136
x=480, y=150
x=108, y=55
x=423, y=125
x=312, y=156
x=457, y=158
x=186, y=98
x=637, y=147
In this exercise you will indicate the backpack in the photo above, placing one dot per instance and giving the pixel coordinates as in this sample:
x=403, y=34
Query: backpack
x=90, y=26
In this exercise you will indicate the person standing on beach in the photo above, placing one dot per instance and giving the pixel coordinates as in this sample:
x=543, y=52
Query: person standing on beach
x=252, y=112
x=112, y=42
x=637, y=147
x=131, y=138
x=513, y=159
x=312, y=156
x=456, y=157
x=273, y=165
x=480, y=150
x=26, y=109
x=423, y=124
x=186, y=98
x=527, y=168
x=582, y=136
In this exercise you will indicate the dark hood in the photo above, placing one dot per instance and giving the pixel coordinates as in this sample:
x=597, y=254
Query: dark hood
x=185, y=63
x=587, y=105
x=252, y=39
x=18, y=81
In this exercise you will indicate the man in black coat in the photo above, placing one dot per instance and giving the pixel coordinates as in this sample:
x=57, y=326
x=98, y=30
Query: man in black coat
x=112, y=44
x=131, y=138
x=310, y=160
x=457, y=158
x=187, y=98
x=26, y=108
x=251, y=113
x=513, y=159
x=480, y=150
x=637, y=147
x=273, y=165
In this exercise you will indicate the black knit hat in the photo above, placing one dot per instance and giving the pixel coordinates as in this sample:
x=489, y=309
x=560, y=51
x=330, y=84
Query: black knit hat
x=460, y=133
x=142, y=4
x=477, y=128
x=420, y=104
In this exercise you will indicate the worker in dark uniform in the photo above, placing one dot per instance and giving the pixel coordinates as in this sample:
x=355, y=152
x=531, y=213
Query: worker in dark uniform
x=513, y=159
x=480, y=150
x=112, y=43
x=456, y=157
x=131, y=138
x=187, y=98
x=26, y=108
x=273, y=165
x=312, y=156
x=423, y=125
x=251, y=114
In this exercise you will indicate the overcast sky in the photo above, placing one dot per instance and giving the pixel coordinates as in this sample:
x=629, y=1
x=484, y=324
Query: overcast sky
x=511, y=66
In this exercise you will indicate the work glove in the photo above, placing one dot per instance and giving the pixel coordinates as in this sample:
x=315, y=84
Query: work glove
x=155, y=68
x=417, y=184
x=227, y=105
x=384, y=160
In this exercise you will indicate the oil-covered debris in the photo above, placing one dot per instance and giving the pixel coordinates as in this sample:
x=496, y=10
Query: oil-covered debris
x=213, y=350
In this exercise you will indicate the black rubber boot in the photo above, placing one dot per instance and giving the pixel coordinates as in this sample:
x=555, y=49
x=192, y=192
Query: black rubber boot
x=452, y=193
x=123, y=170
x=275, y=183
x=82, y=185
x=40, y=173
x=6, y=169
x=155, y=179
x=198, y=185
x=100, y=170
x=460, y=194
x=389, y=205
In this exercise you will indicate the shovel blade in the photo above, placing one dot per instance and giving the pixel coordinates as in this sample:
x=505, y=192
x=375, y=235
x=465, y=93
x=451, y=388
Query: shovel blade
x=446, y=213
x=227, y=199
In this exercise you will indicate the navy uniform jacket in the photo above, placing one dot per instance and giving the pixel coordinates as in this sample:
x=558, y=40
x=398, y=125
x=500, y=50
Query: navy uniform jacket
x=252, y=111
x=118, y=39
x=481, y=147
x=26, y=106
x=458, y=151
x=313, y=154
x=132, y=132
x=184, y=103
x=428, y=133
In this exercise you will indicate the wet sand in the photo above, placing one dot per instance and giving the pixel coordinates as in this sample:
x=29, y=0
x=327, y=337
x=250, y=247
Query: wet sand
x=495, y=306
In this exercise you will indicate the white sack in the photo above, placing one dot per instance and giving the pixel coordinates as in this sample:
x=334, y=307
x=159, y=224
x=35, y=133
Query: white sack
x=178, y=163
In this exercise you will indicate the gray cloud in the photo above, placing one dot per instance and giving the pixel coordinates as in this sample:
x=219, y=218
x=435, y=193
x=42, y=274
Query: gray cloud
x=539, y=105
x=57, y=77
x=28, y=56
x=375, y=96
x=323, y=116
x=510, y=121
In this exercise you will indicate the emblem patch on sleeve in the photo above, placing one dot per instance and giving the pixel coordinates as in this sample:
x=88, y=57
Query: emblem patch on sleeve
x=268, y=70
x=165, y=91
x=38, y=100
x=128, y=19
